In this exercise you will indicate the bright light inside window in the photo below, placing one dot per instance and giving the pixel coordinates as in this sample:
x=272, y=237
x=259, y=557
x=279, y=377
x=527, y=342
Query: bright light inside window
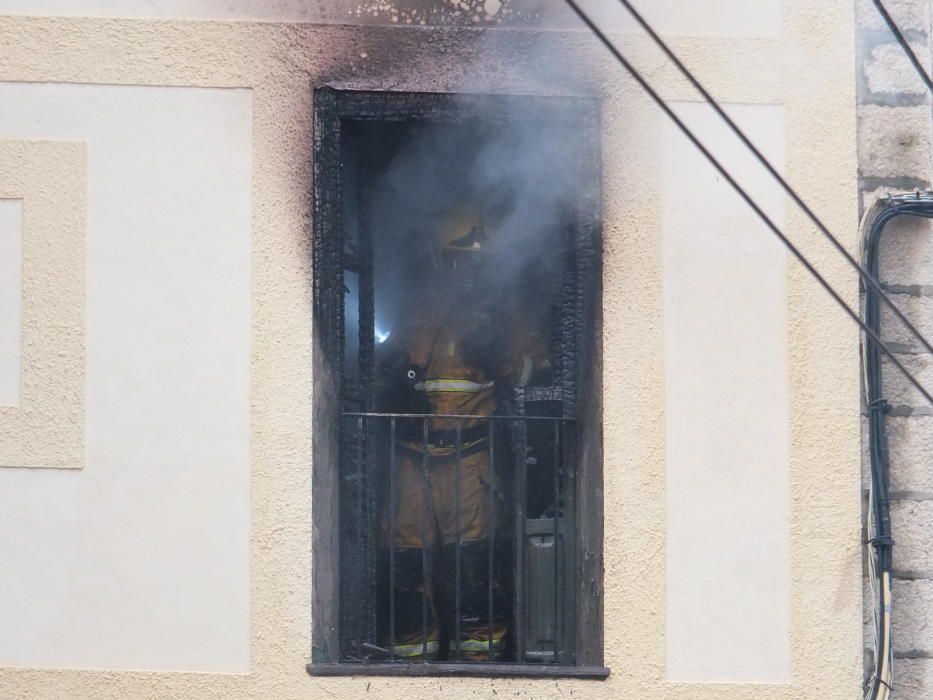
x=382, y=336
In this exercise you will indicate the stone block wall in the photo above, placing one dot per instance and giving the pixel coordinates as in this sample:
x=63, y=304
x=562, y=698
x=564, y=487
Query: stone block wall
x=896, y=153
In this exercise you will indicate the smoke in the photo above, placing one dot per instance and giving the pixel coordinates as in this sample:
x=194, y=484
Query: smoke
x=514, y=177
x=514, y=171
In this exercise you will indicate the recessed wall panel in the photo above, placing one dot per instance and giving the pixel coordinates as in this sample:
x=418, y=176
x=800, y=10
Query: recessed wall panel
x=726, y=408
x=141, y=560
x=11, y=300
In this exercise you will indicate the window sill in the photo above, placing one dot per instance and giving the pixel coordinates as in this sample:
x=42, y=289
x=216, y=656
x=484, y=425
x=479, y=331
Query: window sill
x=465, y=670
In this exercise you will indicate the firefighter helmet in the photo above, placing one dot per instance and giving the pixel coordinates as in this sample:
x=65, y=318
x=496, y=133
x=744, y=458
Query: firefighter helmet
x=461, y=240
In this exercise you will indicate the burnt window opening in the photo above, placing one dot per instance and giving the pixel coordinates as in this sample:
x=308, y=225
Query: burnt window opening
x=457, y=445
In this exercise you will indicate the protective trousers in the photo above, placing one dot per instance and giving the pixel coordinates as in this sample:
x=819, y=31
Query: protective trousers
x=424, y=534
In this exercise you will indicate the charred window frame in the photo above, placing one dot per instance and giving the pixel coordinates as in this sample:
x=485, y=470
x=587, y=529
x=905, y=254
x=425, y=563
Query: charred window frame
x=580, y=386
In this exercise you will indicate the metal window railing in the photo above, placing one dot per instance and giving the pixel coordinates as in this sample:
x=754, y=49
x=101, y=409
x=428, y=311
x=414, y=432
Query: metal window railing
x=538, y=602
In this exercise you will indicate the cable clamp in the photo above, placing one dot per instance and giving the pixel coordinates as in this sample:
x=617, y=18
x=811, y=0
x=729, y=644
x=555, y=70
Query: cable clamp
x=883, y=682
x=880, y=405
x=876, y=678
x=881, y=541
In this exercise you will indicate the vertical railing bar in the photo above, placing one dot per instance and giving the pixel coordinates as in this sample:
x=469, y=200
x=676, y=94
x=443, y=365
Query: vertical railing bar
x=359, y=529
x=391, y=509
x=491, y=529
x=371, y=535
x=557, y=468
x=459, y=543
x=366, y=358
x=520, y=506
x=570, y=572
x=425, y=493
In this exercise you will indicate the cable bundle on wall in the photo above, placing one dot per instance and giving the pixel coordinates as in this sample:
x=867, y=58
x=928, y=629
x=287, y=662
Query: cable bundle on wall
x=880, y=559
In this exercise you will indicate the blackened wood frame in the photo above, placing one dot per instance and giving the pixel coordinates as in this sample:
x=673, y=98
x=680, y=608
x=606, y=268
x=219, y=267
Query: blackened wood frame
x=331, y=108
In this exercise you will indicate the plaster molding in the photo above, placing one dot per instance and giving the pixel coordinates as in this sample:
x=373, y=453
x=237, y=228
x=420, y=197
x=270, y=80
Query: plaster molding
x=46, y=429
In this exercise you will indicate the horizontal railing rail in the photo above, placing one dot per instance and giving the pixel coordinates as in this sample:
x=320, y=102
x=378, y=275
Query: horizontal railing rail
x=462, y=416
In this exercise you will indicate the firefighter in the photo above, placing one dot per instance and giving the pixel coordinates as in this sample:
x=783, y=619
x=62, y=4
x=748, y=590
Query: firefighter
x=452, y=357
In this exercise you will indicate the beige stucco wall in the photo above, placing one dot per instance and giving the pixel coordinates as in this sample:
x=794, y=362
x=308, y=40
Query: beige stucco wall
x=716, y=17
x=808, y=71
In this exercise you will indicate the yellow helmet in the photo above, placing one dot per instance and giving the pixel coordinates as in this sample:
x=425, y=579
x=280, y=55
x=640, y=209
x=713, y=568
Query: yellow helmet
x=462, y=238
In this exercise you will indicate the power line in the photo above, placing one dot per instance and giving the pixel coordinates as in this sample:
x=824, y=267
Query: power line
x=646, y=86
x=866, y=276
x=902, y=40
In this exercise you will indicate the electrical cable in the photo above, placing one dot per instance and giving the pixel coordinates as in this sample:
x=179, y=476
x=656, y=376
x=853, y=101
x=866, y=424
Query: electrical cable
x=867, y=278
x=646, y=86
x=880, y=560
x=902, y=40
